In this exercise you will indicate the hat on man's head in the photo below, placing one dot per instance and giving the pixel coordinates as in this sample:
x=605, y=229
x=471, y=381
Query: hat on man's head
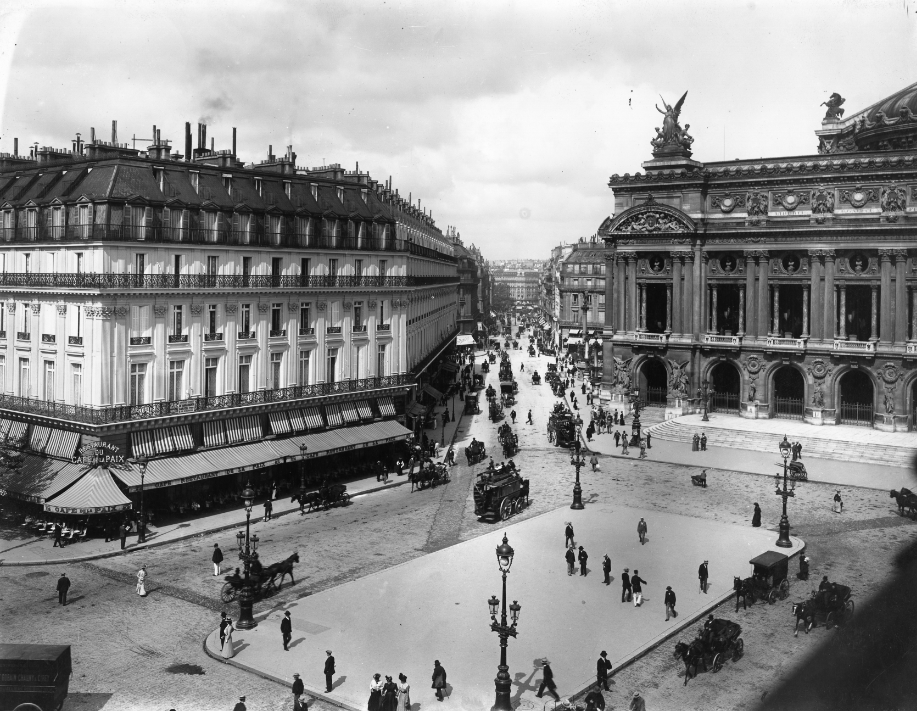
x=287, y=613
x=668, y=587
x=603, y=653
x=627, y=570
x=296, y=675
x=327, y=651
x=216, y=545
x=241, y=698
x=636, y=694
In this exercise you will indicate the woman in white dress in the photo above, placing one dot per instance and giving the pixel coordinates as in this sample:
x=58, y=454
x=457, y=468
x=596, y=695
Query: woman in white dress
x=404, y=693
x=141, y=580
x=228, y=652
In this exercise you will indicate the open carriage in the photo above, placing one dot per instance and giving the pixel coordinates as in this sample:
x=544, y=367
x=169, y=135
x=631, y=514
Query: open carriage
x=718, y=641
x=536, y=378
x=264, y=581
x=430, y=475
x=832, y=602
x=475, y=452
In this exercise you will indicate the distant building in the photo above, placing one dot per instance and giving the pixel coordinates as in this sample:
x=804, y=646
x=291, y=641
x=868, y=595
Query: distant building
x=524, y=283
x=474, y=287
x=581, y=301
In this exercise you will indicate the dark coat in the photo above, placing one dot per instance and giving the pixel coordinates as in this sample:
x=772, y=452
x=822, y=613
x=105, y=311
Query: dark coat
x=63, y=584
x=602, y=666
x=670, y=598
x=548, y=677
x=636, y=582
x=606, y=566
x=298, y=687
x=702, y=571
x=568, y=532
x=217, y=555
x=439, y=677
x=286, y=627
x=571, y=558
x=329, y=665
x=625, y=580
x=583, y=557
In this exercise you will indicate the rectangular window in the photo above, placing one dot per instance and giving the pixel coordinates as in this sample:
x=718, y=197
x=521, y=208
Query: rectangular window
x=79, y=262
x=276, y=318
x=276, y=270
x=48, y=390
x=139, y=264
x=276, y=363
x=212, y=265
x=176, y=376
x=245, y=373
x=246, y=267
x=331, y=366
x=85, y=227
x=140, y=321
x=27, y=263
x=305, y=317
x=380, y=361
x=335, y=313
x=358, y=315
x=25, y=326
x=383, y=267
x=212, y=318
x=332, y=267
x=358, y=363
x=177, y=320
x=358, y=268
x=25, y=378
x=274, y=226
x=57, y=223
x=195, y=179
x=210, y=376
x=575, y=298
x=76, y=382
x=381, y=311
x=305, y=372
x=138, y=383
x=245, y=324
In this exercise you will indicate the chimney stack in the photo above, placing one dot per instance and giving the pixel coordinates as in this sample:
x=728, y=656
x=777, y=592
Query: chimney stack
x=204, y=136
x=92, y=135
x=234, y=140
x=211, y=144
x=270, y=152
x=114, y=132
x=358, y=167
x=15, y=146
x=187, y=140
x=154, y=135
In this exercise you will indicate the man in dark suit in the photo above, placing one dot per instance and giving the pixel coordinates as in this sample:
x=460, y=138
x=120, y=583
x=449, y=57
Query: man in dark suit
x=329, y=670
x=702, y=576
x=122, y=532
x=625, y=585
x=602, y=667
x=547, y=681
x=58, y=529
x=286, y=629
x=669, y=601
x=298, y=690
x=224, y=623
x=63, y=585
x=568, y=534
x=583, y=557
x=571, y=560
x=606, y=568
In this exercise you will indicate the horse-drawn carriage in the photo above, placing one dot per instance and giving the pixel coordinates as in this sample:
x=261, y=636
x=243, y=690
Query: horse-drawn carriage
x=798, y=471
x=562, y=427
x=515, y=345
x=493, y=356
x=717, y=640
x=906, y=500
x=485, y=367
x=536, y=378
x=326, y=496
x=471, y=404
x=831, y=603
x=508, y=440
x=262, y=579
x=477, y=382
x=475, y=452
x=500, y=492
x=507, y=393
x=495, y=410
x=768, y=580
x=531, y=351
x=490, y=393
x=429, y=476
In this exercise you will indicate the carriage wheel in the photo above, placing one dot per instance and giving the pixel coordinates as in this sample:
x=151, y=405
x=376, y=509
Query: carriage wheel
x=772, y=597
x=740, y=649
x=506, y=509
x=227, y=593
x=784, y=589
x=830, y=620
x=848, y=609
x=717, y=662
x=517, y=506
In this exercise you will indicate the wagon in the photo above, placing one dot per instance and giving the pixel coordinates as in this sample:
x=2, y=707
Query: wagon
x=471, y=404
x=768, y=580
x=500, y=493
x=262, y=579
x=37, y=676
x=798, y=471
x=718, y=640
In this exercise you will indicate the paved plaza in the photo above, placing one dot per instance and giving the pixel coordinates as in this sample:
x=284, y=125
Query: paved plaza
x=435, y=607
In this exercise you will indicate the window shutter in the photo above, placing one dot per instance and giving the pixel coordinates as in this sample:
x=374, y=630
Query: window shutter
x=148, y=217
x=126, y=219
x=166, y=218
x=236, y=222
x=145, y=320
x=90, y=213
x=221, y=222
x=50, y=211
x=136, y=326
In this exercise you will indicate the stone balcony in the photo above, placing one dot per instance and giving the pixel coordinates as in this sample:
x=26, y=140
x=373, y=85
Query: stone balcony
x=712, y=340
x=867, y=348
x=658, y=340
x=777, y=343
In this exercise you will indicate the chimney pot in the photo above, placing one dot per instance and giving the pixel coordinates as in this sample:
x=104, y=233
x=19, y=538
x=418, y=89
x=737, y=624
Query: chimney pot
x=114, y=132
x=204, y=136
x=234, y=140
x=187, y=140
x=15, y=146
x=154, y=134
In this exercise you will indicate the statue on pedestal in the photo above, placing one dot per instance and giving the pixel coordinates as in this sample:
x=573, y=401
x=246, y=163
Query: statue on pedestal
x=672, y=138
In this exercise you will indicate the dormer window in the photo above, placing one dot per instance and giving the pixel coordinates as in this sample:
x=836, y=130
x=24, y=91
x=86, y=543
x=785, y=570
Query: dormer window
x=288, y=188
x=365, y=195
x=195, y=181
x=227, y=183
x=258, y=186
x=314, y=189
x=159, y=175
x=340, y=192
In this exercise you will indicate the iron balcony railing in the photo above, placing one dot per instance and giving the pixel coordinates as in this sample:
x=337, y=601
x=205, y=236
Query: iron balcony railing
x=307, y=332
x=84, y=280
x=213, y=336
x=75, y=340
x=128, y=413
x=48, y=338
x=383, y=327
x=246, y=335
x=278, y=333
x=141, y=340
x=178, y=338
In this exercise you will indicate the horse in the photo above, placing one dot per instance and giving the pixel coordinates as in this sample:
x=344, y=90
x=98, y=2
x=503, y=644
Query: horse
x=906, y=499
x=804, y=611
x=743, y=590
x=310, y=499
x=421, y=478
x=691, y=654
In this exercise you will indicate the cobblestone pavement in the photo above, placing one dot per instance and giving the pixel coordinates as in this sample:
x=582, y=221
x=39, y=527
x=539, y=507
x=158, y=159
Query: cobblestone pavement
x=124, y=645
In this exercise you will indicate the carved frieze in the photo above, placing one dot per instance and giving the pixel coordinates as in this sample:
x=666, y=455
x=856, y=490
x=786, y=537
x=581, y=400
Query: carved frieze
x=859, y=196
x=727, y=202
x=196, y=309
x=651, y=221
x=791, y=199
x=36, y=307
x=121, y=311
x=756, y=203
x=231, y=308
x=99, y=312
x=160, y=310
x=264, y=307
x=822, y=203
x=62, y=309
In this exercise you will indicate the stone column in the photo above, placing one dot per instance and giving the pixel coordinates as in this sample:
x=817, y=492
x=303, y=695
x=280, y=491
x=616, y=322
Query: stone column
x=643, y=306
x=741, y=311
x=713, y=309
x=620, y=291
x=816, y=270
x=900, y=296
x=763, y=302
x=913, y=314
x=805, y=312
x=829, y=321
x=676, y=293
x=748, y=318
x=668, y=308
x=842, y=316
x=609, y=292
x=633, y=306
x=687, y=324
x=776, y=330
x=873, y=336
x=700, y=311
x=887, y=317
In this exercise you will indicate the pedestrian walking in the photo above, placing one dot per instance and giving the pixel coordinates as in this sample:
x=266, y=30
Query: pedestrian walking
x=595, y=700
x=642, y=448
x=63, y=585
x=329, y=670
x=702, y=576
x=297, y=690
x=594, y=461
x=404, y=693
x=803, y=568
x=224, y=623
x=624, y=449
x=273, y=491
x=240, y=705
x=626, y=590
x=606, y=569
x=636, y=583
x=512, y=416
x=838, y=503
x=122, y=533
x=217, y=559
x=439, y=679
x=756, y=516
x=584, y=388
x=375, y=693
x=58, y=529
x=547, y=681
x=602, y=667
x=637, y=703
x=695, y=443
x=389, y=695
x=703, y=442
x=521, y=367
x=530, y=422
x=641, y=531
x=268, y=508
x=649, y=438
x=571, y=560
x=141, y=581
x=286, y=630
x=617, y=436
x=568, y=535
x=583, y=557
x=669, y=603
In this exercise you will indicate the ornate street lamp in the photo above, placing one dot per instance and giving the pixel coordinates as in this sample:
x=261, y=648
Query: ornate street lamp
x=784, y=539
x=302, y=470
x=247, y=554
x=502, y=682
x=578, y=460
x=141, y=529
x=635, y=429
x=706, y=393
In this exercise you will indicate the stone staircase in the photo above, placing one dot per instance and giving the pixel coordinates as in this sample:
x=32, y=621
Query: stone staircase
x=854, y=449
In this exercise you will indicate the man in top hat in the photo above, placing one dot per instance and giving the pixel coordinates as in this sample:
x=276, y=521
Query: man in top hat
x=224, y=623
x=702, y=576
x=240, y=706
x=602, y=667
x=583, y=557
x=286, y=630
x=329, y=670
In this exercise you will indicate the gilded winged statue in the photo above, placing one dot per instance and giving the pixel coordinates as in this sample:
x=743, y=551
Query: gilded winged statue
x=671, y=130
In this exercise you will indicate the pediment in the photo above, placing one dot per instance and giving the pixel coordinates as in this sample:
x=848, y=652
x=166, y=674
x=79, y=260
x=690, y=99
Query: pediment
x=649, y=217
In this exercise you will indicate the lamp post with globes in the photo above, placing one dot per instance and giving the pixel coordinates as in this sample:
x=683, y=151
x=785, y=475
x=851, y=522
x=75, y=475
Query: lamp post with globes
x=502, y=682
x=783, y=541
x=302, y=470
x=248, y=554
x=578, y=460
x=141, y=528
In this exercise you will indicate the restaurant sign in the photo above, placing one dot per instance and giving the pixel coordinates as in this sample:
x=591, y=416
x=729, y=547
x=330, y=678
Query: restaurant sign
x=93, y=454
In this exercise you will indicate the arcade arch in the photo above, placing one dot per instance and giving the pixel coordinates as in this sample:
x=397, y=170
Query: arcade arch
x=857, y=398
x=789, y=393
x=727, y=387
x=653, y=382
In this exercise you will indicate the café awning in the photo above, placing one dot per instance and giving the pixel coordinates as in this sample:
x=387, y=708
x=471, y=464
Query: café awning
x=432, y=392
x=464, y=339
x=94, y=493
x=39, y=478
x=386, y=406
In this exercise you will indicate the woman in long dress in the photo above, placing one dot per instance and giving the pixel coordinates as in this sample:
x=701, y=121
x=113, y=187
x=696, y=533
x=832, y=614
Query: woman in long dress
x=756, y=516
x=228, y=652
x=375, y=694
x=141, y=580
x=389, y=695
x=404, y=693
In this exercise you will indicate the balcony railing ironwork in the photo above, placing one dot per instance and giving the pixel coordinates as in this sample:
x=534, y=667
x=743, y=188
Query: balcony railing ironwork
x=334, y=330
x=48, y=338
x=127, y=413
x=278, y=332
x=178, y=338
x=74, y=340
x=384, y=327
x=307, y=332
x=359, y=329
x=246, y=335
x=213, y=336
x=23, y=336
x=141, y=340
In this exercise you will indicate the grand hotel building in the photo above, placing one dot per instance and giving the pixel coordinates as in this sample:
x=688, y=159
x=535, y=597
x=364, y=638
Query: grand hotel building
x=207, y=317
x=787, y=284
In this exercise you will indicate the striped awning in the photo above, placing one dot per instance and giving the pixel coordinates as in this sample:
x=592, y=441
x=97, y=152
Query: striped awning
x=39, y=438
x=251, y=428
x=313, y=418
x=214, y=435
x=364, y=410
x=386, y=406
x=181, y=437
x=349, y=413
x=142, y=444
x=233, y=430
x=62, y=444
x=298, y=419
x=40, y=478
x=162, y=440
x=280, y=422
x=333, y=415
x=95, y=493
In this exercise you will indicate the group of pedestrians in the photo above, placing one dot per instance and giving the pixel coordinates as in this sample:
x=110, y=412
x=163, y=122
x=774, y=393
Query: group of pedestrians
x=699, y=442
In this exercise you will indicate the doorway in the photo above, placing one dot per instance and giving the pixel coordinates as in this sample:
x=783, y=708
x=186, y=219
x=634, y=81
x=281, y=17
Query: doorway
x=654, y=380
x=789, y=394
x=857, y=397
x=726, y=387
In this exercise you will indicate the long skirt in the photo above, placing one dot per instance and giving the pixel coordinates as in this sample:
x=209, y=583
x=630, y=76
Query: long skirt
x=228, y=650
x=375, y=701
x=141, y=589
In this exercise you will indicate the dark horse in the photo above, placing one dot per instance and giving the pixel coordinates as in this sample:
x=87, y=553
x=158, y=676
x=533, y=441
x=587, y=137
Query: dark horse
x=310, y=499
x=906, y=499
x=283, y=569
x=743, y=590
x=691, y=654
x=804, y=611
x=422, y=478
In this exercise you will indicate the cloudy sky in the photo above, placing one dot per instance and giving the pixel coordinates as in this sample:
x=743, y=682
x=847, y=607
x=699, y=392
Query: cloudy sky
x=504, y=118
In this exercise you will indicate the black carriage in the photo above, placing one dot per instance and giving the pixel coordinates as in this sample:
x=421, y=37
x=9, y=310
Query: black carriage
x=490, y=393
x=536, y=379
x=495, y=410
x=475, y=452
x=471, y=404
x=430, y=476
x=831, y=603
x=34, y=676
x=716, y=642
x=500, y=492
x=798, y=471
x=264, y=581
x=768, y=579
x=485, y=367
x=564, y=428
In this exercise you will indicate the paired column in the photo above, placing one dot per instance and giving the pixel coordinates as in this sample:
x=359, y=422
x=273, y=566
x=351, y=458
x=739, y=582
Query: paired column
x=874, y=336
x=776, y=324
x=642, y=326
x=900, y=296
x=829, y=319
x=714, y=302
x=816, y=271
x=763, y=302
x=805, y=312
x=747, y=315
x=700, y=319
x=633, y=306
x=676, y=292
x=741, y=311
x=887, y=317
x=621, y=290
x=609, y=292
x=842, y=316
x=687, y=325
x=913, y=314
